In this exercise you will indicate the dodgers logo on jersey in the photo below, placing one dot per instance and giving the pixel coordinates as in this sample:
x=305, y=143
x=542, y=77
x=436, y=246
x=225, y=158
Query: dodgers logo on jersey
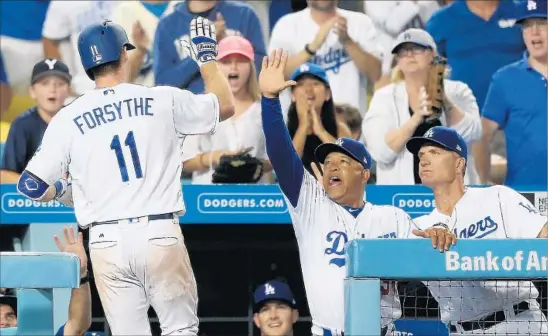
x=478, y=230
x=337, y=240
x=332, y=60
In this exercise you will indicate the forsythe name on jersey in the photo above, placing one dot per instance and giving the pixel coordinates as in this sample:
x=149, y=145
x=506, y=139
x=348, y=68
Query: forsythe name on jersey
x=489, y=262
x=101, y=115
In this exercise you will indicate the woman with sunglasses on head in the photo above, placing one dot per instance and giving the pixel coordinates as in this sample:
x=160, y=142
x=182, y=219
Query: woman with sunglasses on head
x=311, y=119
x=402, y=109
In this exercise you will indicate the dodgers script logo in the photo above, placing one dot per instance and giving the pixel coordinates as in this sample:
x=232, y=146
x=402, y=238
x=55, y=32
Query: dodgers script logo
x=337, y=240
x=480, y=229
x=332, y=60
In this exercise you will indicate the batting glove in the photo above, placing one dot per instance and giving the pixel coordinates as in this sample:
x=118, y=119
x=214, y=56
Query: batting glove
x=202, y=46
x=63, y=192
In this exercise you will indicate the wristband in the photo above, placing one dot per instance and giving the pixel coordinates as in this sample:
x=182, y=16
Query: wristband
x=60, y=187
x=84, y=280
x=442, y=225
x=308, y=51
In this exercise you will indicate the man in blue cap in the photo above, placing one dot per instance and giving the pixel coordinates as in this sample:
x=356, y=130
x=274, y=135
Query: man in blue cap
x=275, y=309
x=327, y=214
x=496, y=212
x=517, y=103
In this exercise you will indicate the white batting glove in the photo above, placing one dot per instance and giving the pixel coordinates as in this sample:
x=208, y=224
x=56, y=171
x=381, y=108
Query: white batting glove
x=202, y=46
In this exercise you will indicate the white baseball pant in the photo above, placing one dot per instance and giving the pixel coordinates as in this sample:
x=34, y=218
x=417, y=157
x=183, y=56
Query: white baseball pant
x=531, y=322
x=139, y=263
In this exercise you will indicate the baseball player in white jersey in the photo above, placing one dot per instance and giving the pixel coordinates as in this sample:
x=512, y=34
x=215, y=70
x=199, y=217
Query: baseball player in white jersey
x=497, y=212
x=121, y=144
x=325, y=220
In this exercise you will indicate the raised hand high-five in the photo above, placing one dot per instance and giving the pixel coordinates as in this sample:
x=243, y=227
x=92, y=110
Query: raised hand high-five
x=271, y=78
x=202, y=46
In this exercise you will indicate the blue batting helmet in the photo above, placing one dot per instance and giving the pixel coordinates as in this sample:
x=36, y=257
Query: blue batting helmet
x=102, y=43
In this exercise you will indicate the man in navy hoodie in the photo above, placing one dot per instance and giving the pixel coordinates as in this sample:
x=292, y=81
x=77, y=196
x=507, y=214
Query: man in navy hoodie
x=173, y=67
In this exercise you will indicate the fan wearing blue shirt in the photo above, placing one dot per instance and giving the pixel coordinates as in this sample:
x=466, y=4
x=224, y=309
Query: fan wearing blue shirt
x=477, y=37
x=516, y=103
x=172, y=66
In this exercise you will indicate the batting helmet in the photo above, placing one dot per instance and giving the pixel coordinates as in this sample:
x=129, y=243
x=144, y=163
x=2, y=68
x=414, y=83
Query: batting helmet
x=101, y=43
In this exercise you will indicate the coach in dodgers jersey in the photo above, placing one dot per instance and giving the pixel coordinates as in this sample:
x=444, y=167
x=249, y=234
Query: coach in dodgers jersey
x=121, y=144
x=497, y=212
x=325, y=220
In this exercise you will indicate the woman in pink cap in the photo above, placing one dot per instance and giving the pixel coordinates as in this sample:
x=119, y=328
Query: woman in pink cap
x=242, y=132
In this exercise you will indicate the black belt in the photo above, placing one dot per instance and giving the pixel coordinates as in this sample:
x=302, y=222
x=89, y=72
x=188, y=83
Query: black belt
x=150, y=218
x=490, y=320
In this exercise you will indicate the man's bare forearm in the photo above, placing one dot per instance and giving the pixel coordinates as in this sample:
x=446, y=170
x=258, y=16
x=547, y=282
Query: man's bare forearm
x=8, y=177
x=79, y=320
x=51, y=48
x=481, y=152
x=544, y=232
x=295, y=61
x=369, y=65
x=136, y=59
x=216, y=83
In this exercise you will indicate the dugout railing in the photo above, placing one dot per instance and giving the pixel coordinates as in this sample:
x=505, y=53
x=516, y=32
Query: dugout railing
x=370, y=261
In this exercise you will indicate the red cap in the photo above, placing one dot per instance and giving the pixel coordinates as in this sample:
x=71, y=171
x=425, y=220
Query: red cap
x=231, y=45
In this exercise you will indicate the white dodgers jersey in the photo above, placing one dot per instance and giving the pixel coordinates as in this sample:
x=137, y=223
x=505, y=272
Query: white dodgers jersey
x=348, y=85
x=496, y=212
x=122, y=147
x=322, y=228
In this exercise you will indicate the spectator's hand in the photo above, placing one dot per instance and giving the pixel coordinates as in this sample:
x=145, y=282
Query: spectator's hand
x=220, y=27
x=139, y=36
x=73, y=245
x=442, y=238
x=340, y=28
x=322, y=34
x=271, y=78
x=425, y=104
x=303, y=113
x=317, y=126
x=317, y=172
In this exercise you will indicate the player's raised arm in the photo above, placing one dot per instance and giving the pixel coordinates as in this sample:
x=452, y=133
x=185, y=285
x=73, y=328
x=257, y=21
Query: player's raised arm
x=43, y=178
x=279, y=147
x=202, y=47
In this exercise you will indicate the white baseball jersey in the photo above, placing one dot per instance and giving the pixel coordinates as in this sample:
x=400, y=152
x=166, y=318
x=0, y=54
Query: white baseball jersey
x=495, y=212
x=322, y=228
x=129, y=12
x=293, y=31
x=65, y=20
x=238, y=132
x=122, y=146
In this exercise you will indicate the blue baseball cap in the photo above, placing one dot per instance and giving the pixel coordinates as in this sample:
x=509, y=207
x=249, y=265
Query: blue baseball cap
x=445, y=137
x=273, y=290
x=312, y=70
x=532, y=9
x=416, y=36
x=350, y=147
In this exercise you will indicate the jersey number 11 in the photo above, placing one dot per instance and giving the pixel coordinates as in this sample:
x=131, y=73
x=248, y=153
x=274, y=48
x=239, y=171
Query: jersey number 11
x=116, y=146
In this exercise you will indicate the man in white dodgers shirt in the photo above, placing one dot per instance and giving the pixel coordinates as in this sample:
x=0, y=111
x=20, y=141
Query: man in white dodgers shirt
x=496, y=212
x=65, y=20
x=325, y=219
x=343, y=42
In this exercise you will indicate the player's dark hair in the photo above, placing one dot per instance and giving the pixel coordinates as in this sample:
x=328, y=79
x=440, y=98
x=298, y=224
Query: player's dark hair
x=106, y=68
x=312, y=141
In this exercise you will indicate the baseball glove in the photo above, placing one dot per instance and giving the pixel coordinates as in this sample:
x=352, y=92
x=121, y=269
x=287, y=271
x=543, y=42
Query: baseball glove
x=239, y=168
x=434, y=86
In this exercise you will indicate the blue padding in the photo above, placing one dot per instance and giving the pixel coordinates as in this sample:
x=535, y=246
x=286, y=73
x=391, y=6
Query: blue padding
x=35, y=312
x=39, y=270
x=362, y=316
x=9, y=331
x=469, y=259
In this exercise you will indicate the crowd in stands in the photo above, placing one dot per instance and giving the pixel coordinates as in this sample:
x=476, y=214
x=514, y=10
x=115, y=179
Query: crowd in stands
x=360, y=68
x=341, y=52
